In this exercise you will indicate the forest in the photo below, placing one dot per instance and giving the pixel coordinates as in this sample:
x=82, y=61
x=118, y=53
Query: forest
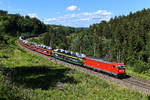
x=122, y=39
x=14, y=25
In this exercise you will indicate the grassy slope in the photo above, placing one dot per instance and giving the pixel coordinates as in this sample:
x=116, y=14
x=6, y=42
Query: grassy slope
x=41, y=79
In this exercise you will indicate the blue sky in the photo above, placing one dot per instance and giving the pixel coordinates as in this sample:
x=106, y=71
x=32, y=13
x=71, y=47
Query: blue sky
x=76, y=13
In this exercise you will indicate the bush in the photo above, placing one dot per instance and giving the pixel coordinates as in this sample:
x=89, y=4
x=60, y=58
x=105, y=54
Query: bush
x=140, y=66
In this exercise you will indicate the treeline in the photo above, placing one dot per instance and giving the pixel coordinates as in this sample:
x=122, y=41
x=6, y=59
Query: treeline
x=17, y=25
x=122, y=39
x=57, y=35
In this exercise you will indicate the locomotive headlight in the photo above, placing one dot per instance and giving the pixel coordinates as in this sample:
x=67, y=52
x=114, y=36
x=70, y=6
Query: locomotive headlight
x=121, y=71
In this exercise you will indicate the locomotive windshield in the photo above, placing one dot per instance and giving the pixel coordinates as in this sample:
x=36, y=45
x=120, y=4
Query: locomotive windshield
x=121, y=67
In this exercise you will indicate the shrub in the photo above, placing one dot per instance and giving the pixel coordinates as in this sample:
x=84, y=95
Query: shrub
x=140, y=66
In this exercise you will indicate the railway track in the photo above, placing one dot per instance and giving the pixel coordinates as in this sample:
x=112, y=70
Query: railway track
x=138, y=82
x=133, y=83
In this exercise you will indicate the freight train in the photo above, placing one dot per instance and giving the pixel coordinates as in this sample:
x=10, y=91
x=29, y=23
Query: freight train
x=112, y=68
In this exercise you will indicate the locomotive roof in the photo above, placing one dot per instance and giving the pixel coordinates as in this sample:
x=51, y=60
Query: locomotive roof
x=100, y=60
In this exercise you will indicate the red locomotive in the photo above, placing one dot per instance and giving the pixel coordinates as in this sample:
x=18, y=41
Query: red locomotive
x=113, y=68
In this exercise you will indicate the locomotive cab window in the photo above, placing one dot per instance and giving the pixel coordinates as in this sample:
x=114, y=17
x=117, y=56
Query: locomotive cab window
x=121, y=67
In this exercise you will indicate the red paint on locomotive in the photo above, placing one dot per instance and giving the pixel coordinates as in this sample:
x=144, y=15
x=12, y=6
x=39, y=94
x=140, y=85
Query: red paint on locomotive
x=106, y=66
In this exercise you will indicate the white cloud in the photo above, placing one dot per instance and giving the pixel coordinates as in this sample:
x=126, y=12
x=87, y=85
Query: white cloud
x=80, y=19
x=106, y=13
x=33, y=15
x=84, y=19
x=50, y=19
x=73, y=15
x=86, y=13
x=98, y=12
x=72, y=8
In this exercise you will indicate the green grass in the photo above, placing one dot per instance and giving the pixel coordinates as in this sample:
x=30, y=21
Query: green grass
x=145, y=75
x=39, y=79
